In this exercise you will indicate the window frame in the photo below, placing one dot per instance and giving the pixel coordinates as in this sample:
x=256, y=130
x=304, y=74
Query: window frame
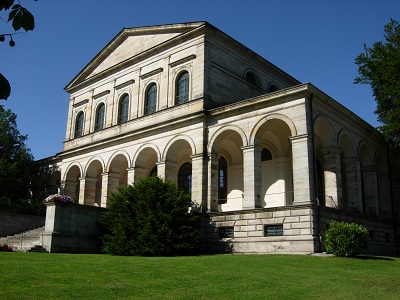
x=182, y=87
x=272, y=230
x=123, y=109
x=226, y=232
x=99, y=119
x=79, y=124
x=150, y=95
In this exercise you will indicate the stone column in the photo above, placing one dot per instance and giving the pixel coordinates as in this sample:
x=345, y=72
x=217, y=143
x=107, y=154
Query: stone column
x=354, y=186
x=87, y=193
x=251, y=176
x=82, y=187
x=371, y=191
x=131, y=175
x=333, y=178
x=161, y=169
x=303, y=170
x=70, y=189
x=212, y=185
x=198, y=180
x=110, y=185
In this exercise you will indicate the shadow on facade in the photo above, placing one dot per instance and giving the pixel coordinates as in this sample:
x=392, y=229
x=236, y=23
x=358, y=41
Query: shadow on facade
x=213, y=239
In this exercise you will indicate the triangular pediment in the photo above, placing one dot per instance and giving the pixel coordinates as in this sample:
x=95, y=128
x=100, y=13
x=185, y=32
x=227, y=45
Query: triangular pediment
x=128, y=44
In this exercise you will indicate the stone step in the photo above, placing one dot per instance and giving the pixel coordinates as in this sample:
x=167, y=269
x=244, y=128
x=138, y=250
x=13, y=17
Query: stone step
x=25, y=240
x=38, y=248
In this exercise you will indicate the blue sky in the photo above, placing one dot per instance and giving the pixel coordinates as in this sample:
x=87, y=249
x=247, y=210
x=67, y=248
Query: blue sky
x=314, y=41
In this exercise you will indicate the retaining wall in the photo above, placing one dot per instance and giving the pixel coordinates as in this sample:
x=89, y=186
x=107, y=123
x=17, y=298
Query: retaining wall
x=11, y=224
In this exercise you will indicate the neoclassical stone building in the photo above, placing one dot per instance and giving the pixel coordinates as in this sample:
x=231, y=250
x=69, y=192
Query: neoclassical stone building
x=271, y=160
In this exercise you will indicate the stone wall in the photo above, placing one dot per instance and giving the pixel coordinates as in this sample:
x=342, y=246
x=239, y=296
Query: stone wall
x=11, y=224
x=303, y=228
x=249, y=228
x=72, y=228
x=384, y=237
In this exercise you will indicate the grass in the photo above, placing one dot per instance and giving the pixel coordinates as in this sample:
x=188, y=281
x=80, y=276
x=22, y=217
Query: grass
x=68, y=276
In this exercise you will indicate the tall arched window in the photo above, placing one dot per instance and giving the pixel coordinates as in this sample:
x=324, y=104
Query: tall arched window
x=185, y=177
x=123, y=108
x=182, y=88
x=99, y=121
x=222, y=180
x=151, y=99
x=79, y=124
x=153, y=171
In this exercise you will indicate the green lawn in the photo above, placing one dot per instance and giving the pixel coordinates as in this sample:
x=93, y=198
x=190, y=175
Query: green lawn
x=68, y=276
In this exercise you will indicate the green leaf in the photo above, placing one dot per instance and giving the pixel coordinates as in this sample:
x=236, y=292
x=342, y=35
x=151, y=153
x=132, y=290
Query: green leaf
x=21, y=18
x=5, y=88
x=6, y=4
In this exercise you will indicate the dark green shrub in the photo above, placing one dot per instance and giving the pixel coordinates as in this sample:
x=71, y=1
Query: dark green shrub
x=150, y=218
x=346, y=239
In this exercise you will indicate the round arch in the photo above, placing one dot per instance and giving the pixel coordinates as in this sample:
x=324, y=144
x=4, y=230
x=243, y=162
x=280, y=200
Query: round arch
x=176, y=139
x=324, y=132
x=224, y=132
x=271, y=117
x=346, y=143
x=117, y=154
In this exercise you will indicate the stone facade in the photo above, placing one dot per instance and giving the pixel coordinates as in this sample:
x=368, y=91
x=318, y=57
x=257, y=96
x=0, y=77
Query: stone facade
x=262, y=147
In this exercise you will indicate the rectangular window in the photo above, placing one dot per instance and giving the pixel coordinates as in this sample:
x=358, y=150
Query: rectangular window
x=273, y=230
x=226, y=232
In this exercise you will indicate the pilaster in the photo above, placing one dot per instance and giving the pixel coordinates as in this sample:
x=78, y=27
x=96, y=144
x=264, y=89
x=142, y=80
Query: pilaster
x=251, y=176
x=212, y=192
x=198, y=179
x=303, y=166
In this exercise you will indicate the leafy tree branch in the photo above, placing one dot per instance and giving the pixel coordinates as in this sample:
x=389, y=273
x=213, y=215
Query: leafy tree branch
x=20, y=18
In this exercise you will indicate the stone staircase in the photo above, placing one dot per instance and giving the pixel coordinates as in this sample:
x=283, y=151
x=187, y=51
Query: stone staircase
x=28, y=241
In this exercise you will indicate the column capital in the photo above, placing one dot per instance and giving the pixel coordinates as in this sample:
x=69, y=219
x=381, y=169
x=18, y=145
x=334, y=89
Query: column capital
x=197, y=156
x=254, y=148
x=298, y=138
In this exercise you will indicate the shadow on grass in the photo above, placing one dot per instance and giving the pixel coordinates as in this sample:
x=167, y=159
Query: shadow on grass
x=373, y=257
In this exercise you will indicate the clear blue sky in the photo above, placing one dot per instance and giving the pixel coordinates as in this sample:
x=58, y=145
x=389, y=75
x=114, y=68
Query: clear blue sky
x=314, y=41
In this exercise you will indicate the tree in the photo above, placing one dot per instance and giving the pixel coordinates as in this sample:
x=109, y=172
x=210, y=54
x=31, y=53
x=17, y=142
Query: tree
x=16, y=161
x=379, y=66
x=151, y=217
x=20, y=17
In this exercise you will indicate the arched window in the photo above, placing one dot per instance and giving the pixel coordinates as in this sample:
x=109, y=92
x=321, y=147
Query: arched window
x=272, y=88
x=79, y=124
x=123, y=108
x=182, y=88
x=222, y=180
x=153, y=171
x=99, y=121
x=265, y=154
x=251, y=78
x=151, y=99
x=185, y=177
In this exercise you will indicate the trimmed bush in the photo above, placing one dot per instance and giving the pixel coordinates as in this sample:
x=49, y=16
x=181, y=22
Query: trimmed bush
x=152, y=217
x=346, y=239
